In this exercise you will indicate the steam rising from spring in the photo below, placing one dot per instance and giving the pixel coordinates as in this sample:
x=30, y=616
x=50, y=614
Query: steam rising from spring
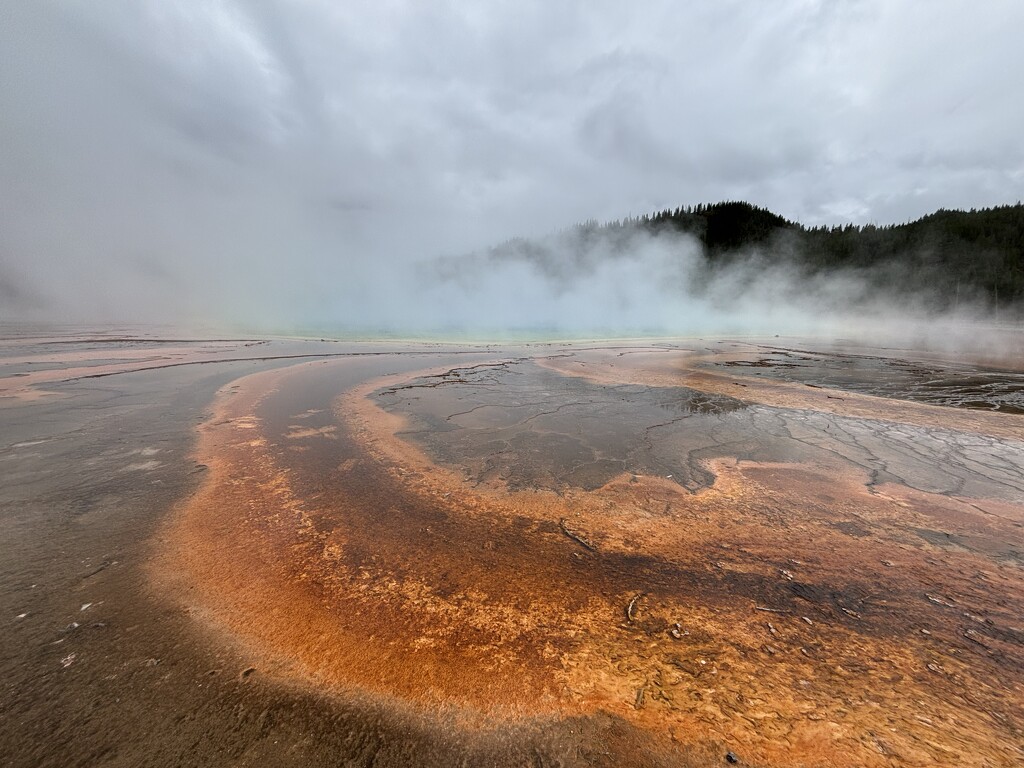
x=622, y=281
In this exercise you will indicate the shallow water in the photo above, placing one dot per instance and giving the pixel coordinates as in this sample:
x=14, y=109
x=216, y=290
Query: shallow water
x=949, y=384
x=529, y=427
x=533, y=428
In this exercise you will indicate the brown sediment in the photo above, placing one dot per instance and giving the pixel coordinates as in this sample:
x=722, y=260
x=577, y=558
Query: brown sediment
x=115, y=356
x=147, y=352
x=796, y=611
x=102, y=357
x=29, y=386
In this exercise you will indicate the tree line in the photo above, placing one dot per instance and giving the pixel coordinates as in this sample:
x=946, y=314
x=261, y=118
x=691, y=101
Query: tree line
x=952, y=256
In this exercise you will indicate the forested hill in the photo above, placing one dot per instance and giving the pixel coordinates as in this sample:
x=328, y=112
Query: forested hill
x=953, y=255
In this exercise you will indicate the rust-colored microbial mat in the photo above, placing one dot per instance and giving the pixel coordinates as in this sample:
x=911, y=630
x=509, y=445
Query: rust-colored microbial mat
x=725, y=555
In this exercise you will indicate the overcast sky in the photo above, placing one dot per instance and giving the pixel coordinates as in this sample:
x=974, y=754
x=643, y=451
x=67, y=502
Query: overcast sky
x=286, y=162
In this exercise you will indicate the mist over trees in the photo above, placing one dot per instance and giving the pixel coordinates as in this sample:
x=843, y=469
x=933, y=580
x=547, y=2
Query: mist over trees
x=948, y=257
x=947, y=260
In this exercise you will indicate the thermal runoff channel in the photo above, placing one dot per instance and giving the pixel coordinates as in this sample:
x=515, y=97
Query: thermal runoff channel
x=594, y=385
x=684, y=536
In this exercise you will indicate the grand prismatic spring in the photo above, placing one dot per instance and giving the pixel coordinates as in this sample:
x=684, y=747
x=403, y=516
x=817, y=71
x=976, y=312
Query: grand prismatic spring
x=671, y=552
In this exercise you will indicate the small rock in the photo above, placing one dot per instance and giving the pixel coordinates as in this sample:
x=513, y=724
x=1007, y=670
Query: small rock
x=730, y=757
x=677, y=631
x=975, y=637
x=638, y=703
x=246, y=672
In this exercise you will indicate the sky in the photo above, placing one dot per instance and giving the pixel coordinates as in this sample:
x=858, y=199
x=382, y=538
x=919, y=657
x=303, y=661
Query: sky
x=292, y=164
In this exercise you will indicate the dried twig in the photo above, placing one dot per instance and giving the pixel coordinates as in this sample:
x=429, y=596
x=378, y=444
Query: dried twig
x=631, y=608
x=578, y=538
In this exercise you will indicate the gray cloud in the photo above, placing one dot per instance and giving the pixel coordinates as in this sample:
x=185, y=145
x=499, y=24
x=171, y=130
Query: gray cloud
x=289, y=164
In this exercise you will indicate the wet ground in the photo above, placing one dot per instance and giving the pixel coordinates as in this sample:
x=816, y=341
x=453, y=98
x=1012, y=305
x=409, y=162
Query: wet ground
x=531, y=427
x=924, y=381
x=612, y=554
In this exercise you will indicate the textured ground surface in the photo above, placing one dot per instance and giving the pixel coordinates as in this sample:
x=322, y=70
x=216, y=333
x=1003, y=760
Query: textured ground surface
x=592, y=554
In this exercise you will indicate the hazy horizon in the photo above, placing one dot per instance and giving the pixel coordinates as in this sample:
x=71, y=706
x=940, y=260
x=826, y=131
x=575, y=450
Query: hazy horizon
x=282, y=166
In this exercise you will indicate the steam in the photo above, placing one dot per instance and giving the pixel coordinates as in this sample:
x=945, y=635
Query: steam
x=626, y=281
x=285, y=167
